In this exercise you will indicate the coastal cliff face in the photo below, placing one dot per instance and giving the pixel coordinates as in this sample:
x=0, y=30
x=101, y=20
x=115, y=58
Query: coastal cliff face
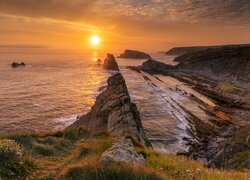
x=114, y=112
x=132, y=54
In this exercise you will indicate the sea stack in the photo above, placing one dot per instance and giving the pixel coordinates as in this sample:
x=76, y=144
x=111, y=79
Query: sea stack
x=132, y=54
x=110, y=63
x=14, y=64
x=113, y=112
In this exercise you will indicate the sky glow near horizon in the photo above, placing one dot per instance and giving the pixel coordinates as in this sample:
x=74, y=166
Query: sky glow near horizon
x=143, y=24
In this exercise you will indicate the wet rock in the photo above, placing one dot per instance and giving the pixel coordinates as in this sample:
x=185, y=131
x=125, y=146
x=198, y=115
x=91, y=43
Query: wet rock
x=110, y=63
x=113, y=112
x=122, y=151
x=14, y=64
x=131, y=54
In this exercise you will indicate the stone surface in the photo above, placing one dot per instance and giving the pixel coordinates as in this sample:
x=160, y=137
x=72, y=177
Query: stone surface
x=110, y=63
x=122, y=151
x=113, y=112
x=132, y=54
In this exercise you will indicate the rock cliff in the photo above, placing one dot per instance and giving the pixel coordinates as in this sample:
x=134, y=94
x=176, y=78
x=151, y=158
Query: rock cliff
x=114, y=112
x=132, y=54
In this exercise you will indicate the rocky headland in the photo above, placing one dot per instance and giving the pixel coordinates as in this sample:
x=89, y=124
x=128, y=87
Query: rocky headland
x=178, y=51
x=226, y=63
x=132, y=54
x=113, y=112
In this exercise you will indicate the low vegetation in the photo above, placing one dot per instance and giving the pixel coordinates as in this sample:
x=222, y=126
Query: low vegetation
x=75, y=154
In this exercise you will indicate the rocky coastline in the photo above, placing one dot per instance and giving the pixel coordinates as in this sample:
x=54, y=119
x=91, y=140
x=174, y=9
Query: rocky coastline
x=110, y=141
x=114, y=113
x=223, y=141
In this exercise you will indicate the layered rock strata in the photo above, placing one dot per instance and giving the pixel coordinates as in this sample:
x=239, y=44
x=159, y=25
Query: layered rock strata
x=113, y=112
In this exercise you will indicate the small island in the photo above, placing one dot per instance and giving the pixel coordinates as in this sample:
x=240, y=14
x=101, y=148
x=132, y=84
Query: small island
x=132, y=54
x=14, y=64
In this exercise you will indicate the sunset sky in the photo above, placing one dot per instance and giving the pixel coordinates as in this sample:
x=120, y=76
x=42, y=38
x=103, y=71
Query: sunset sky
x=151, y=25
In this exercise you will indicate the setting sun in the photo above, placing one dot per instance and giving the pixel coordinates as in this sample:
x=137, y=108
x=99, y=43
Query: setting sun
x=95, y=40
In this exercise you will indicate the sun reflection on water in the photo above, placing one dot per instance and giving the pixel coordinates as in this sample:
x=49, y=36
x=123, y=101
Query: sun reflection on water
x=95, y=56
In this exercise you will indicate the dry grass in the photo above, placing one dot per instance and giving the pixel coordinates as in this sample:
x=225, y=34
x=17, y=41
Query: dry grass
x=229, y=88
x=183, y=168
x=75, y=155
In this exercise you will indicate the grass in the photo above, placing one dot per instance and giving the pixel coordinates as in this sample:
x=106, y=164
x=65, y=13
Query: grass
x=75, y=154
x=179, y=167
x=230, y=88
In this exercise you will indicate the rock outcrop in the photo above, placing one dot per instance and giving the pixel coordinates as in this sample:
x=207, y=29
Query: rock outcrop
x=179, y=51
x=132, y=54
x=153, y=66
x=114, y=112
x=110, y=63
x=122, y=151
x=226, y=62
x=14, y=64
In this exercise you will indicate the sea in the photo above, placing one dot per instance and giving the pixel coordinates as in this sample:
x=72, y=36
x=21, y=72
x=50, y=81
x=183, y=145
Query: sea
x=56, y=87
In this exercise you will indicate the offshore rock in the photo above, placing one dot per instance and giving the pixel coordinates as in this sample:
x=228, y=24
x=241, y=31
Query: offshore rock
x=110, y=63
x=122, y=151
x=113, y=112
x=14, y=64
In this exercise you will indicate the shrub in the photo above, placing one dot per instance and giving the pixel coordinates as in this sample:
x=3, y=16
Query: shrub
x=13, y=164
x=9, y=151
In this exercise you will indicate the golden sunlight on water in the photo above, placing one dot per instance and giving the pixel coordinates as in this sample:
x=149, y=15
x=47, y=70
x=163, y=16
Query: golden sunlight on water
x=95, y=56
x=50, y=92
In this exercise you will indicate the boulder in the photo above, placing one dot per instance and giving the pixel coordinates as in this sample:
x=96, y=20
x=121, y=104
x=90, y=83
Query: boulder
x=14, y=64
x=110, y=63
x=114, y=112
x=122, y=151
x=132, y=54
x=153, y=66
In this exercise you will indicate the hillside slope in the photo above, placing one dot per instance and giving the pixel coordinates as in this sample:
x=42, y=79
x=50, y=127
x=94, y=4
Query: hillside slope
x=229, y=62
